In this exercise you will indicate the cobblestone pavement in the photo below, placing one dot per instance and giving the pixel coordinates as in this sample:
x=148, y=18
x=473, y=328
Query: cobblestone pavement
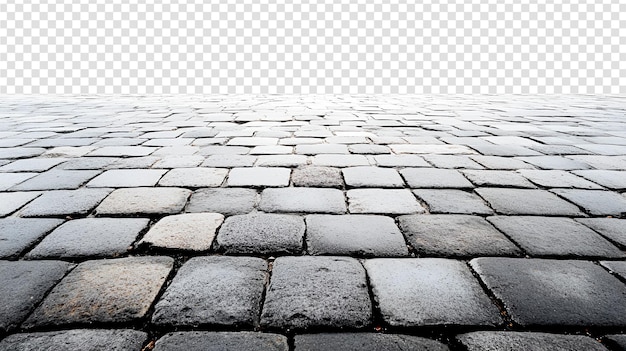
x=312, y=223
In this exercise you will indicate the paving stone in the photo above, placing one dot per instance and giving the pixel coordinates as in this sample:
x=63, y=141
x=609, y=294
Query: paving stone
x=549, y=236
x=455, y=236
x=69, y=151
x=443, y=149
x=88, y=163
x=527, y=202
x=20, y=152
x=8, y=180
x=65, y=202
x=383, y=201
x=76, y=340
x=610, y=179
x=340, y=160
x=612, y=228
x=11, y=202
x=90, y=237
x=272, y=150
x=303, y=200
x=616, y=341
x=252, y=141
x=261, y=233
x=194, y=177
x=452, y=161
x=401, y=161
x=428, y=292
x=104, y=291
x=281, y=160
x=312, y=176
x=57, y=180
x=601, y=162
x=131, y=201
x=365, y=342
x=126, y=178
x=123, y=151
x=561, y=293
x=372, y=177
x=497, y=178
x=189, y=231
x=186, y=161
x=505, y=150
x=434, y=178
x=308, y=292
x=224, y=150
x=229, y=161
x=228, y=201
x=32, y=165
x=221, y=341
x=499, y=340
x=452, y=201
x=259, y=176
x=497, y=162
x=369, y=149
x=555, y=162
x=595, y=202
x=24, y=284
x=300, y=141
x=557, y=179
x=360, y=235
x=616, y=267
x=232, y=286
x=18, y=234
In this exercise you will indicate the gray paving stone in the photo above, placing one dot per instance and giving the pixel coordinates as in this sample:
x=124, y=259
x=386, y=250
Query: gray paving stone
x=90, y=237
x=340, y=160
x=428, y=292
x=76, y=340
x=505, y=150
x=126, y=178
x=281, y=161
x=496, y=178
x=316, y=149
x=259, y=176
x=452, y=201
x=24, y=284
x=601, y=161
x=561, y=293
x=452, y=161
x=360, y=235
x=135, y=162
x=434, y=178
x=497, y=162
x=194, y=177
x=555, y=162
x=500, y=341
x=11, y=202
x=186, y=161
x=18, y=234
x=611, y=179
x=612, y=228
x=224, y=150
x=311, y=176
x=20, y=152
x=189, y=231
x=365, y=342
x=595, y=202
x=57, y=180
x=307, y=200
x=232, y=286
x=104, y=291
x=69, y=151
x=308, y=292
x=229, y=161
x=383, y=201
x=430, y=149
x=88, y=163
x=557, y=179
x=252, y=141
x=261, y=233
x=455, y=236
x=8, y=180
x=368, y=149
x=221, y=341
x=527, y=202
x=401, y=161
x=372, y=177
x=272, y=150
x=616, y=341
x=617, y=267
x=65, y=202
x=131, y=201
x=122, y=151
x=32, y=165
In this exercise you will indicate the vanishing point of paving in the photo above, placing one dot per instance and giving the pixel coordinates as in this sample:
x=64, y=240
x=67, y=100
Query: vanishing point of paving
x=312, y=223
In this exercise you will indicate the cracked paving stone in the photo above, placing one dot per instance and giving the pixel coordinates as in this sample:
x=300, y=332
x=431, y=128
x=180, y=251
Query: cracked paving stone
x=65, y=202
x=131, y=201
x=24, y=284
x=493, y=178
x=372, y=177
x=104, y=291
x=527, y=202
x=259, y=176
x=221, y=341
x=508, y=340
x=32, y=165
x=76, y=340
x=261, y=233
x=308, y=292
x=612, y=228
x=550, y=236
x=401, y=161
x=56, y=179
x=452, y=201
x=365, y=342
x=11, y=202
x=541, y=292
x=127, y=178
x=194, y=177
x=557, y=179
x=616, y=341
x=383, y=201
x=434, y=178
x=611, y=179
x=8, y=180
x=429, y=291
x=188, y=231
x=90, y=237
x=455, y=236
x=18, y=234
x=217, y=290
x=227, y=201
x=303, y=200
x=312, y=176
x=360, y=235
x=596, y=202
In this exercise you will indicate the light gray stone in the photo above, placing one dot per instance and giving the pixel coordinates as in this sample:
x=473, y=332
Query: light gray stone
x=452, y=201
x=18, y=234
x=323, y=177
x=65, y=202
x=612, y=228
x=497, y=179
x=227, y=201
x=129, y=201
x=76, y=340
x=194, y=177
x=229, y=161
x=339, y=160
x=617, y=267
x=11, y=202
x=502, y=341
x=383, y=201
x=126, y=178
x=611, y=179
x=365, y=342
x=372, y=177
x=32, y=165
x=259, y=176
x=557, y=179
x=527, y=202
x=595, y=202
x=57, y=179
x=188, y=231
x=305, y=200
x=400, y=161
x=434, y=178
x=8, y=180
x=123, y=151
x=261, y=233
x=221, y=341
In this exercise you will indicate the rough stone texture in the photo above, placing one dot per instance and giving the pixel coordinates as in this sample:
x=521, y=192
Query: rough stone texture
x=452, y=201
x=123, y=151
x=76, y=340
x=57, y=179
x=596, y=202
x=429, y=291
x=608, y=178
x=434, y=178
x=189, y=231
x=8, y=180
x=90, y=237
x=65, y=202
x=455, y=235
x=32, y=165
x=372, y=177
x=340, y=160
x=227, y=201
x=104, y=291
x=502, y=341
x=541, y=292
x=214, y=290
x=557, y=179
x=221, y=341
x=11, y=202
x=309, y=292
x=24, y=284
x=549, y=236
x=350, y=235
x=616, y=341
x=452, y=161
x=129, y=201
x=493, y=178
x=281, y=160
x=383, y=201
x=400, y=161
x=303, y=200
x=527, y=202
x=194, y=177
x=365, y=342
x=259, y=176
x=18, y=234
x=261, y=233
x=126, y=178
x=612, y=228
x=617, y=267
x=555, y=162
x=229, y=161
x=311, y=176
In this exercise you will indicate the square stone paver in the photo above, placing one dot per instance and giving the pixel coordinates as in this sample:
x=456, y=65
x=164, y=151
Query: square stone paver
x=365, y=342
x=360, y=235
x=611, y=228
x=18, y=234
x=57, y=179
x=65, y=202
x=127, y=178
x=194, y=177
x=452, y=201
x=557, y=179
x=90, y=237
x=455, y=236
x=505, y=340
x=76, y=339
x=527, y=202
x=259, y=176
x=188, y=231
x=383, y=201
x=104, y=291
x=221, y=341
x=596, y=202
x=372, y=177
x=261, y=233
x=130, y=201
x=227, y=201
x=434, y=178
x=303, y=200
x=427, y=292
x=10, y=202
x=309, y=292
x=497, y=178
x=540, y=292
x=323, y=177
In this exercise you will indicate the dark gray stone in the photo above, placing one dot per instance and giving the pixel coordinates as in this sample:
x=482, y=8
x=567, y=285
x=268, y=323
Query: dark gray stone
x=76, y=340
x=127, y=178
x=527, y=202
x=434, y=178
x=562, y=293
x=616, y=341
x=57, y=179
x=131, y=201
x=323, y=177
x=452, y=201
x=493, y=178
x=383, y=201
x=595, y=202
x=65, y=202
x=11, y=202
x=221, y=341
x=365, y=342
x=503, y=341
x=18, y=234
x=612, y=228
x=303, y=200
x=372, y=177
x=227, y=201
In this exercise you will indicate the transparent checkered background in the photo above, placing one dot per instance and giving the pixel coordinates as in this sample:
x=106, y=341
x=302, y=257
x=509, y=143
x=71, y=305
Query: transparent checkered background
x=317, y=46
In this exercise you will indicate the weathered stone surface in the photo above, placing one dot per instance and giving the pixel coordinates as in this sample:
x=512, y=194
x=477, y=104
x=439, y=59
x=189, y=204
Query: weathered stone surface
x=185, y=161
x=20, y=152
x=18, y=234
x=281, y=161
x=194, y=177
x=261, y=233
x=229, y=161
x=452, y=161
x=215, y=290
x=57, y=180
x=617, y=267
x=24, y=284
x=383, y=201
x=497, y=162
x=123, y=151
x=323, y=177
x=32, y=165
x=360, y=235
x=188, y=231
x=104, y=291
x=127, y=178
x=541, y=292
x=497, y=178
x=303, y=200
x=430, y=149
x=372, y=177
x=259, y=176
x=527, y=202
x=227, y=201
x=65, y=202
x=555, y=162
x=429, y=291
x=365, y=342
x=608, y=178
x=612, y=228
x=498, y=340
x=76, y=340
x=452, y=201
x=616, y=341
x=557, y=179
x=315, y=149
x=340, y=160
x=222, y=341
x=596, y=202
x=434, y=178
x=8, y=180
x=308, y=292
x=401, y=161
x=11, y=202
x=129, y=201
